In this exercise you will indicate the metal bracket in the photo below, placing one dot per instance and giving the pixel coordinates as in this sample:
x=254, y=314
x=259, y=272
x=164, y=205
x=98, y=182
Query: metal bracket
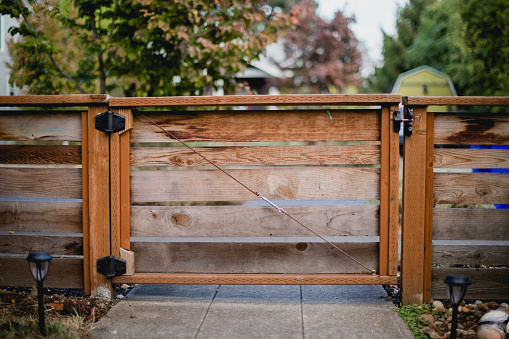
x=407, y=119
x=110, y=122
x=111, y=266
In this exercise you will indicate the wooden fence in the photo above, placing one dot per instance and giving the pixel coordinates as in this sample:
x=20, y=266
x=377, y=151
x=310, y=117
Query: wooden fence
x=331, y=161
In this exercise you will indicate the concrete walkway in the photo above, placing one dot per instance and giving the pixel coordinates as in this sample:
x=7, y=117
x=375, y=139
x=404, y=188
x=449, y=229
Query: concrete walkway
x=226, y=311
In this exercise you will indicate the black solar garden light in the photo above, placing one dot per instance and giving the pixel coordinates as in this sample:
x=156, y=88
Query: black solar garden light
x=39, y=266
x=457, y=289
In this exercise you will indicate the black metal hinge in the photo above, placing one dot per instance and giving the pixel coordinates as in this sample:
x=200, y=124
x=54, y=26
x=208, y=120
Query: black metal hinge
x=111, y=266
x=110, y=122
x=406, y=119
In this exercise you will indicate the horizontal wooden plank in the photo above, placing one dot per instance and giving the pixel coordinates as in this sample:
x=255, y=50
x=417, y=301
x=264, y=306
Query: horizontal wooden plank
x=256, y=155
x=273, y=183
x=470, y=255
x=46, y=126
x=175, y=257
x=55, y=245
x=470, y=224
x=53, y=100
x=456, y=101
x=255, y=126
x=57, y=183
x=260, y=100
x=257, y=279
x=41, y=216
x=63, y=273
x=253, y=221
x=471, y=158
x=486, y=284
x=471, y=188
x=40, y=155
x=471, y=129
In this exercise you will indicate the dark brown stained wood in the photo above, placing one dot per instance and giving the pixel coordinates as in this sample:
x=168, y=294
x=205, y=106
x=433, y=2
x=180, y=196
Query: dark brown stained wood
x=273, y=183
x=151, y=257
x=471, y=188
x=54, y=100
x=486, y=283
x=40, y=155
x=256, y=155
x=456, y=101
x=46, y=126
x=471, y=158
x=253, y=221
x=63, y=273
x=470, y=255
x=255, y=126
x=471, y=129
x=470, y=224
x=55, y=245
x=260, y=100
x=41, y=216
x=256, y=279
x=57, y=183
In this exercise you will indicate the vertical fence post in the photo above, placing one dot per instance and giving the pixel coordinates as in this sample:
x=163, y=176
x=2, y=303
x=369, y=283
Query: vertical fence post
x=393, y=197
x=428, y=225
x=414, y=206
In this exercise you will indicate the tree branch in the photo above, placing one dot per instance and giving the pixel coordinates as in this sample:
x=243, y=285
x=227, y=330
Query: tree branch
x=67, y=75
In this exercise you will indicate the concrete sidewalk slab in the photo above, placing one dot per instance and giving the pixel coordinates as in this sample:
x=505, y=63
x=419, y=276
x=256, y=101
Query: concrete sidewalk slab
x=226, y=311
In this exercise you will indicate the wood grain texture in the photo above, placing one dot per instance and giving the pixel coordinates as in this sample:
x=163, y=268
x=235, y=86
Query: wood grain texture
x=40, y=155
x=470, y=224
x=471, y=158
x=259, y=100
x=115, y=194
x=63, y=273
x=394, y=209
x=470, y=255
x=256, y=155
x=125, y=192
x=58, y=183
x=174, y=257
x=471, y=188
x=486, y=283
x=45, y=126
x=86, y=221
x=56, y=245
x=256, y=126
x=428, y=224
x=256, y=279
x=273, y=183
x=471, y=129
x=253, y=221
x=41, y=216
x=54, y=100
x=128, y=256
x=385, y=179
x=456, y=101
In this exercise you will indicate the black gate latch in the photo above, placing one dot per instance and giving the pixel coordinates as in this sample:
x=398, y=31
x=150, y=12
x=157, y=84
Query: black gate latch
x=110, y=122
x=111, y=266
x=407, y=119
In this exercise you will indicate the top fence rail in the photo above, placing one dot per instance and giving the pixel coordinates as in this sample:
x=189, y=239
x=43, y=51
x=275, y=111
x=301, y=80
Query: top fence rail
x=456, y=101
x=54, y=100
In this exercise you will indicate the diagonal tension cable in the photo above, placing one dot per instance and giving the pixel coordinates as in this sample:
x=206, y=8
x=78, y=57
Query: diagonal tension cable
x=259, y=195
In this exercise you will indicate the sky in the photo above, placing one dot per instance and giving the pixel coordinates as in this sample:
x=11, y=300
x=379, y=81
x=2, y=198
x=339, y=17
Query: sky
x=371, y=16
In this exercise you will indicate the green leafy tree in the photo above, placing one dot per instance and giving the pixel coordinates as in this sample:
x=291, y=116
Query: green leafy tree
x=136, y=47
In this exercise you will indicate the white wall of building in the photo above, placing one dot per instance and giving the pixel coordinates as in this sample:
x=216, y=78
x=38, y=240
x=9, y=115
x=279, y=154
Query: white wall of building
x=5, y=23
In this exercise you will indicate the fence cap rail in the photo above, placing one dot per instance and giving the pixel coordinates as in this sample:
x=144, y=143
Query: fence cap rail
x=54, y=100
x=260, y=100
x=456, y=101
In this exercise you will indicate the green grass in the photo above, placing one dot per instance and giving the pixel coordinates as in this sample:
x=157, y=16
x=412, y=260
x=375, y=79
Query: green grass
x=28, y=327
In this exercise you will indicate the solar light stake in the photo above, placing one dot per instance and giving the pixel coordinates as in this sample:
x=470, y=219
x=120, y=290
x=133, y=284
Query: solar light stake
x=39, y=266
x=456, y=291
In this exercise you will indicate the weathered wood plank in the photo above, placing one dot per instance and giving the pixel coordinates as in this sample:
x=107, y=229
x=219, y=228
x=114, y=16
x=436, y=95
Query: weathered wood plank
x=40, y=155
x=273, y=183
x=45, y=126
x=54, y=100
x=471, y=188
x=470, y=224
x=394, y=206
x=41, y=216
x=486, y=283
x=57, y=183
x=470, y=255
x=428, y=224
x=256, y=279
x=175, y=257
x=456, y=101
x=256, y=155
x=259, y=100
x=63, y=273
x=253, y=221
x=55, y=245
x=472, y=129
x=255, y=126
x=471, y=158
